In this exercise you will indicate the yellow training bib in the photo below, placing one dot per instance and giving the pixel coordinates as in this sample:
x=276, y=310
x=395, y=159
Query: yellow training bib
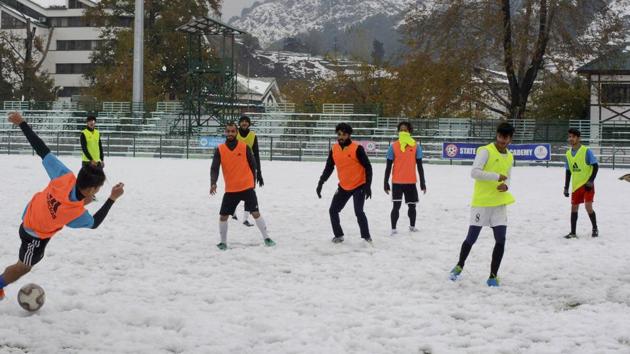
x=92, y=138
x=486, y=193
x=249, y=139
x=580, y=170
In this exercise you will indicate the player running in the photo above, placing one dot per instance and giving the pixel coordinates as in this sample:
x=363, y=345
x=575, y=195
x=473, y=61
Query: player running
x=61, y=203
x=405, y=155
x=491, y=171
x=355, y=178
x=237, y=161
x=581, y=164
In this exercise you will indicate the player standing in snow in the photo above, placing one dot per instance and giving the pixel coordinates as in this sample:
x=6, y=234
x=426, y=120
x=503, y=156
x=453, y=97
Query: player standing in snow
x=61, y=204
x=491, y=171
x=249, y=137
x=237, y=161
x=91, y=144
x=581, y=164
x=405, y=155
x=355, y=179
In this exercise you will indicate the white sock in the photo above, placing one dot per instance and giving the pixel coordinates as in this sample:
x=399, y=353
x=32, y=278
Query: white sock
x=262, y=226
x=223, y=227
x=245, y=215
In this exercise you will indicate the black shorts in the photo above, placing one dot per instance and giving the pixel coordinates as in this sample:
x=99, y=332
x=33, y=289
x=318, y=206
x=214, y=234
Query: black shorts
x=231, y=200
x=410, y=191
x=32, y=248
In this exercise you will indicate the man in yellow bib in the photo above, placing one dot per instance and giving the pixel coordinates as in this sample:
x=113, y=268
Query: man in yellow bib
x=581, y=164
x=491, y=171
x=249, y=137
x=91, y=144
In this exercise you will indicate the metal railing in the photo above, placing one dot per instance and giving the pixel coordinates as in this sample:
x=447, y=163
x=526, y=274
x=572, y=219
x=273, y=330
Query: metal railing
x=614, y=154
x=298, y=136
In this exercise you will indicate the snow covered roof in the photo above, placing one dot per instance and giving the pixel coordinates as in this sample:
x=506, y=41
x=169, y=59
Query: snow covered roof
x=259, y=85
x=615, y=62
x=46, y=4
x=20, y=15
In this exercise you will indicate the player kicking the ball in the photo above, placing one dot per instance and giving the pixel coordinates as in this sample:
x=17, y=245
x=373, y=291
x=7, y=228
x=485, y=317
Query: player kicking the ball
x=61, y=203
x=239, y=168
x=491, y=171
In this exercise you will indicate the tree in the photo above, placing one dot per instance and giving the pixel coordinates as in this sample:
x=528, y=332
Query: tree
x=165, y=50
x=520, y=38
x=378, y=52
x=21, y=59
x=561, y=100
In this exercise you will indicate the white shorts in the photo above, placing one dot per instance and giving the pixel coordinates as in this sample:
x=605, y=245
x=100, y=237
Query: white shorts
x=488, y=216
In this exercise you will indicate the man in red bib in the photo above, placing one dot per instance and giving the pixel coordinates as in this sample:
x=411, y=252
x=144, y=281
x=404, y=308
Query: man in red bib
x=355, y=178
x=238, y=163
x=61, y=203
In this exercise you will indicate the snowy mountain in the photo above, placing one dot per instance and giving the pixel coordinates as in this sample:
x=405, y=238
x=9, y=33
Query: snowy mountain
x=292, y=65
x=274, y=20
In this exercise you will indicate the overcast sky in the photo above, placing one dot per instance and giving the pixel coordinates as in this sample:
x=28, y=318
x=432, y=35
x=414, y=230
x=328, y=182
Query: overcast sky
x=233, y=7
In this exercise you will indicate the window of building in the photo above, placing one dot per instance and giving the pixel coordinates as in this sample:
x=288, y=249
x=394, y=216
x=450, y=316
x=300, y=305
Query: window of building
x=10, y=22
x=70, y=22
x=125, y=21
x=73, y=68
x=76, y=4
x=616, y=93
x=79, y=45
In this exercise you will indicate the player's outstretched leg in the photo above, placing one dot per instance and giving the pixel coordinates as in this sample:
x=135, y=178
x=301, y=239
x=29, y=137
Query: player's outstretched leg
x=262, y=226
x=11, y=274
x=497, y=254
x=471, y=238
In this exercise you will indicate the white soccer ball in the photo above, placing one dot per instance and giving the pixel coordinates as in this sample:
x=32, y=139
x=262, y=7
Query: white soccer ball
x=31, y=297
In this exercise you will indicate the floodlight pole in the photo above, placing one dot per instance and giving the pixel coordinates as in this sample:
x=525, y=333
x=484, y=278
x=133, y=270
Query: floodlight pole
x=138, y=56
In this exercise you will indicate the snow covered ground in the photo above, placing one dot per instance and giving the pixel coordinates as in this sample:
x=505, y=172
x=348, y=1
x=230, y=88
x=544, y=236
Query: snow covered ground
x=151, y=280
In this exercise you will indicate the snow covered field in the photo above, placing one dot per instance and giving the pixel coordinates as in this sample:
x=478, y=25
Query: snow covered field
x=151, y=280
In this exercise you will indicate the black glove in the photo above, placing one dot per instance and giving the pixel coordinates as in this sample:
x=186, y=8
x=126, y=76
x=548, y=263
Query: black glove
x=566, y=192
x=368, y=192
x=319, y=189
x=387, y=189
x=423, y=187
x=260, y=180
x=588, y=186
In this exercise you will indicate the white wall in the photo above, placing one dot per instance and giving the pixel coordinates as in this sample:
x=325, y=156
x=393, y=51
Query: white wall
x=600, y=113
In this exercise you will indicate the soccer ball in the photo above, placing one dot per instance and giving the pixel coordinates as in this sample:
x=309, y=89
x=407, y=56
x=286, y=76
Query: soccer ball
x=31, y=297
